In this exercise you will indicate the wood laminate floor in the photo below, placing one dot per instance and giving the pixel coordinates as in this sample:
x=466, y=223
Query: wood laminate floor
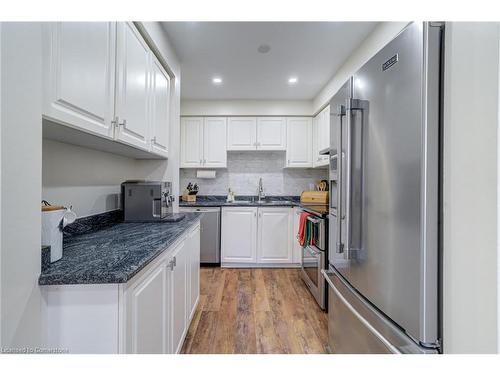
x=255, y=311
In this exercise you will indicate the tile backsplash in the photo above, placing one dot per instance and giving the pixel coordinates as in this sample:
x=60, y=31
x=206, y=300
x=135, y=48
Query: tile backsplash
x=244, y=170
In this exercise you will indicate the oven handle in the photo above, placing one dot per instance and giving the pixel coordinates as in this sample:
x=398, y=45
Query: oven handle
x=314, y=250
x=314, y=220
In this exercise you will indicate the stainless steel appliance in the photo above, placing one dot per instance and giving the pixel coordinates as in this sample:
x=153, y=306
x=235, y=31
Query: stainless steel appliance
x=146, y=200
x=210, y=233
x=314, y=257
x=384, y=231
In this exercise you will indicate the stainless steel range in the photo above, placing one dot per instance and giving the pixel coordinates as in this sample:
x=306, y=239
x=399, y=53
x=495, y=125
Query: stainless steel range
x=315, y=257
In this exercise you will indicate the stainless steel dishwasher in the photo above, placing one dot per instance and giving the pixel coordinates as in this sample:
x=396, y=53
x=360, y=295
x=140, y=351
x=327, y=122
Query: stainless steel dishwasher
x=210, y=233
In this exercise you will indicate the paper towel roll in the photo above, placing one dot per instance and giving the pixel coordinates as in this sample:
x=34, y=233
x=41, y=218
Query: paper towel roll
x=205, y=174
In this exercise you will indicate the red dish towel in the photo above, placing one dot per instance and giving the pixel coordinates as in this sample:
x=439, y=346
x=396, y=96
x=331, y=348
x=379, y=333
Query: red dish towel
x=302, y=227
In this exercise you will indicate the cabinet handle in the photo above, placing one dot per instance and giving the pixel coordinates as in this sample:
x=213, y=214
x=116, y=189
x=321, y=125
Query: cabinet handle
x=114, y=122
x=123, y=123
x=174, y=261
x=171, y=265
x=153, y=140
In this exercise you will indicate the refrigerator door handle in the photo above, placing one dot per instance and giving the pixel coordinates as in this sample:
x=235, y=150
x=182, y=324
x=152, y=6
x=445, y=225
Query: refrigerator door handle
x=339, y=248
x=365, y=322
x=356, y=108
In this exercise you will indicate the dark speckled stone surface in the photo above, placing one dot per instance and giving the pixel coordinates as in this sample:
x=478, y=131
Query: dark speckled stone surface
x=242, y=200
x=113, y=254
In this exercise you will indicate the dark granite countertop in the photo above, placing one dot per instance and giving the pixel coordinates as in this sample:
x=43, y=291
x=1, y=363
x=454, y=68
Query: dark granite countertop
x=242, y=200
x=113, y=254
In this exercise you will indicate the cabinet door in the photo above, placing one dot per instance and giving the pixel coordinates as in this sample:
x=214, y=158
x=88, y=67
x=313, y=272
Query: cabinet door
x=147, y=315
x=132, y=89
x=239, y=234
x=241, y=133
x=214, y=142
x=194, y=270
x=179, y=293
x=191, y=142
x=299, y=142
x=271, y=133
x=274, y=235
x=324, y=135
x=296, y=248
x=160, y=108
x=316, y=121
x=79, y=75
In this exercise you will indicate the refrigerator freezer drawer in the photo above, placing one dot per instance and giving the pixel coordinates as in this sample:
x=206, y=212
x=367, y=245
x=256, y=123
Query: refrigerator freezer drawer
x=355, y=327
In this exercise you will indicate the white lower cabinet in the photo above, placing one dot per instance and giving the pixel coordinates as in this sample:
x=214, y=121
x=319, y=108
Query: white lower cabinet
x=148, y=316
x=151, y=313
x=296, y=248
x=274, y=235
x=193, y=270
x=239, y=235
x=179, y=295
x=256, y=236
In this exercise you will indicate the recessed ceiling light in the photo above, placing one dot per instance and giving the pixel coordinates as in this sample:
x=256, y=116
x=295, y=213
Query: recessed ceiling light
x=264, y=48
x=217, y=80
x=293, y=80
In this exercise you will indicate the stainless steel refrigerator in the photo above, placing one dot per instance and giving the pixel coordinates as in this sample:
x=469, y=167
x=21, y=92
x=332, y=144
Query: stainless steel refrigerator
x=384, y=217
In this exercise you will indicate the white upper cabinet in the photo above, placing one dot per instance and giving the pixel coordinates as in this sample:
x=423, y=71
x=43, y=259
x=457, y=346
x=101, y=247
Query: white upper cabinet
x=214, y=142
x=79, y=75
x=321, y=137
x=241, y=133
x=191, y=142
x=274, y=238
x=132, y=110
x=271, y=133
x=102, y=78
x=160, y=108
x=203, y=142
x=261, y=133
x=299, y=142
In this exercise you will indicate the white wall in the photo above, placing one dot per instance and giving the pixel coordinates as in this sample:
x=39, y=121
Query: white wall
x=470, y=275
x=89, y=180
x=21, y=155
x=246, y=108
x=381, y=35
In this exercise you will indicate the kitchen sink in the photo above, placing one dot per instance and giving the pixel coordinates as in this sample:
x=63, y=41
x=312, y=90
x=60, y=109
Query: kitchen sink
x=271, y=201
x=263, y=202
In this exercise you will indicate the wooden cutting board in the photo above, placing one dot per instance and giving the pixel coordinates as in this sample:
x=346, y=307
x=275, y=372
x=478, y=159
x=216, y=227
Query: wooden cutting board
x=317, y=197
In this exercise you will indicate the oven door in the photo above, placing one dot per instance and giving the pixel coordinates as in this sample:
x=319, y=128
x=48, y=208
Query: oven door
x=319, y=230
x=313, y=261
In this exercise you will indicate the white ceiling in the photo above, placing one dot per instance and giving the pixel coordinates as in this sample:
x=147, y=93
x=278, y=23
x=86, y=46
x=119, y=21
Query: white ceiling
x=310, y=51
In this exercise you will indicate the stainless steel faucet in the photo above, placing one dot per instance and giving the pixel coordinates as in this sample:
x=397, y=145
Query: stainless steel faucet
x=261, y=190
